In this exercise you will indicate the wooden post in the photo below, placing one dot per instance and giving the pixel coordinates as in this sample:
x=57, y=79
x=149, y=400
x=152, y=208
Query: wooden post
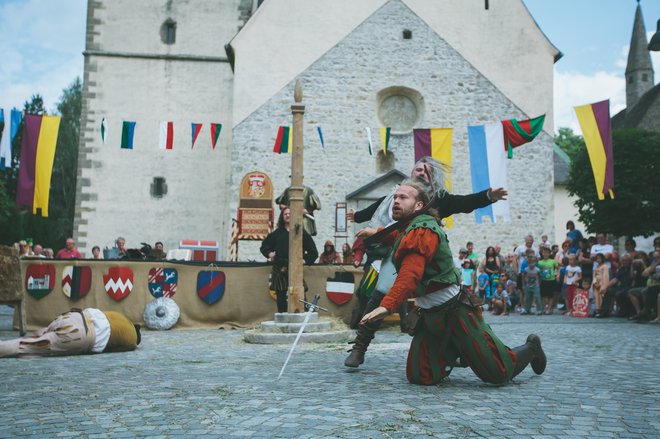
x=296, y=289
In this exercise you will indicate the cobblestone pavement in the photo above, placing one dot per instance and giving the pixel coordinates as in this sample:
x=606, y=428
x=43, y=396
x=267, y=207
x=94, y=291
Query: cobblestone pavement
x=602, y=380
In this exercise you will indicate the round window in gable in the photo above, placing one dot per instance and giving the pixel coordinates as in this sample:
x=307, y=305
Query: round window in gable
x=400, y=108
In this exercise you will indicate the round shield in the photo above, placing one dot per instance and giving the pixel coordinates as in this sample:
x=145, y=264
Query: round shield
x=162, y=313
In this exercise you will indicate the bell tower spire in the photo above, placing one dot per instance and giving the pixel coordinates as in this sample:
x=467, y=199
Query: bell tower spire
x=639, y=70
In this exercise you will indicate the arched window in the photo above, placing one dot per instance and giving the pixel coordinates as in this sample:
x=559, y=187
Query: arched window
x=168, y=31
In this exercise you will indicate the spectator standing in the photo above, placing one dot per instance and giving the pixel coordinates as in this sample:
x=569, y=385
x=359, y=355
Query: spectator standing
x=491, y=266
x=484, y=286
x=462, y=256
x=467, y=276
x=521, y=250
x=584, y=259
x=329, y=255
x=532, y=286
x=157, y=253
x=24, y=249
x=549, y=275
x=38, y=252
x=49, y=253
x=69, y=251
x=572, y=281
x=96, y=252
x=346, y=254
x=602, y=247
x=573, y=236
x=472, y=255
x=600, y=281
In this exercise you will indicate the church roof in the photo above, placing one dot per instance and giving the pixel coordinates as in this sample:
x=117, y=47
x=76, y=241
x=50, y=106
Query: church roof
x=632, y=118
x=639, y=57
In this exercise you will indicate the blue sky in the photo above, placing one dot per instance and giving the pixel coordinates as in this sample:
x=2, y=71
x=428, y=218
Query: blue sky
x=43, y=41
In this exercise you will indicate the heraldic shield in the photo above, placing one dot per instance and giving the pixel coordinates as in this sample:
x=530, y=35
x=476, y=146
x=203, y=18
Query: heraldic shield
x=39, y=279
x=339, y=288
x=210, y=286
x=118, y=282
x=76, y=281
x=162, y=282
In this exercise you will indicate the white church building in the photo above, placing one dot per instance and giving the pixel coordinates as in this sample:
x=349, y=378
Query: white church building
x=402, y=64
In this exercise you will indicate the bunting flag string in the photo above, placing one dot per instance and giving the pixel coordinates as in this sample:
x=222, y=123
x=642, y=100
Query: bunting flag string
x=104, y=130
x=318, y=128
x=127, y=131
x=215, y=133
x=371, y=144
x=488, y=168
x=37, y=156
x=436, y=143
x=596, y=127
x=518, y=133
x=283, y=141
x=166, y=139
x=196, y=128
x=11, y=123
x=385, y=139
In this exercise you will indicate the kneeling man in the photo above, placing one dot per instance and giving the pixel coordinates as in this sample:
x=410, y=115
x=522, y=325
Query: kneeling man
x=451, y=329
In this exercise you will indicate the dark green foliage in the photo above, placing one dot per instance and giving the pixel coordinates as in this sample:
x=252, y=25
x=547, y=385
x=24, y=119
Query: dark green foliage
x=635, y=209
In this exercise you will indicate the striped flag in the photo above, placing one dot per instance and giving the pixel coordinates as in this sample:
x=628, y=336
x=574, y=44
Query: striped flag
x=12, y=121
x=104, y=130
x=283, y=141
x=385, y=139
x=166, y=139
x=196, y=128
x=127, y=131
x=596, y=127
x=371, y=144
x=36, y=168
x=488, y=167
x=436, y=143
x=215, y=133
x=518, y=133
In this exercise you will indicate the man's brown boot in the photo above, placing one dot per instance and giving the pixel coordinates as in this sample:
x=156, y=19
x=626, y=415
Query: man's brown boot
x=360, y=345
x=530, y=353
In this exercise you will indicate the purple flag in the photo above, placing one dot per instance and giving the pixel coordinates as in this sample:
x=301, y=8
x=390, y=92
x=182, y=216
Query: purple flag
x=25, y=190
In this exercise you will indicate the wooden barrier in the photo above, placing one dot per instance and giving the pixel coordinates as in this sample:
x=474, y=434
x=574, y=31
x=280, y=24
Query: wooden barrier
x=246, y=300
x=11, y=292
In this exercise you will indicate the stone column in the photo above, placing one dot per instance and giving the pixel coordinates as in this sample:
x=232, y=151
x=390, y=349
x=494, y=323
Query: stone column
x=296, y=289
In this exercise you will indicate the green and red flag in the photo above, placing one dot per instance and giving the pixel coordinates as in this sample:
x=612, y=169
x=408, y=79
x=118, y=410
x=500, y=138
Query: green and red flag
x=518, y=133
x=215, y=133
x=283, y=141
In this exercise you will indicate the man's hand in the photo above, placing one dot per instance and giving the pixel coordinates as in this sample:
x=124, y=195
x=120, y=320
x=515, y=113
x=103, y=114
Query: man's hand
x=271, y=256
x=376, y=314
x=365, y=233
x=357, y=262
x=350, y=215
x=497, y=194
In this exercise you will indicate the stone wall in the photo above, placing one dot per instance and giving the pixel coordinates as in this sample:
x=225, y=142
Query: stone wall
x=132, y=75
x=340, y=92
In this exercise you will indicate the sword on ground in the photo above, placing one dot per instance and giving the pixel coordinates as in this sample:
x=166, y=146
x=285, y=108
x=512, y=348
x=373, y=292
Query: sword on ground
x=312, y=306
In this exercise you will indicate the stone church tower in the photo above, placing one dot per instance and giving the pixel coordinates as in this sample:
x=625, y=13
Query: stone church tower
x=369, y=63
x=639, y=69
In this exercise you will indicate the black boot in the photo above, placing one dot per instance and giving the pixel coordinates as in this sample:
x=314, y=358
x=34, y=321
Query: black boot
x=360, y=345
x=530, y=352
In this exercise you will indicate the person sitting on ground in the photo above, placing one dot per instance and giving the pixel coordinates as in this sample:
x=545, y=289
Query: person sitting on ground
x=500, y=300
x=329, y=255
x=619, y=284
x=87, y=331
x=644, y=302
x=70, y=251
x=600, y=281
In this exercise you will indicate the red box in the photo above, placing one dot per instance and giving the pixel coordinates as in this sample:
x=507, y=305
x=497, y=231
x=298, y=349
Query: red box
x=208, y=251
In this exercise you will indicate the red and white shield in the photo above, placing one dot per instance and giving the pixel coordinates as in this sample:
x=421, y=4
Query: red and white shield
x=118, y=282
x=339, y=288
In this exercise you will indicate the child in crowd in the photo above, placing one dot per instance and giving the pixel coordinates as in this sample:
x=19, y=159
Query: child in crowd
x=531, y=285
x=500, y=300
x=511, y=291
x=601, y=280
x=549, y=275
x=483, y=284
x=467, y=276
x=572, y=280
x=560, y=291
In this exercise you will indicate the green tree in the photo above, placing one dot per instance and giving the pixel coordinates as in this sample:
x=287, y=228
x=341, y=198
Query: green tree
x=569, y=142
x=51, y=231
x=635, y=209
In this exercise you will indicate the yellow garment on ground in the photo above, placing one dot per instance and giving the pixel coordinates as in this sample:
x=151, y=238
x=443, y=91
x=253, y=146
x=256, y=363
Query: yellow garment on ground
x=123, y=336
